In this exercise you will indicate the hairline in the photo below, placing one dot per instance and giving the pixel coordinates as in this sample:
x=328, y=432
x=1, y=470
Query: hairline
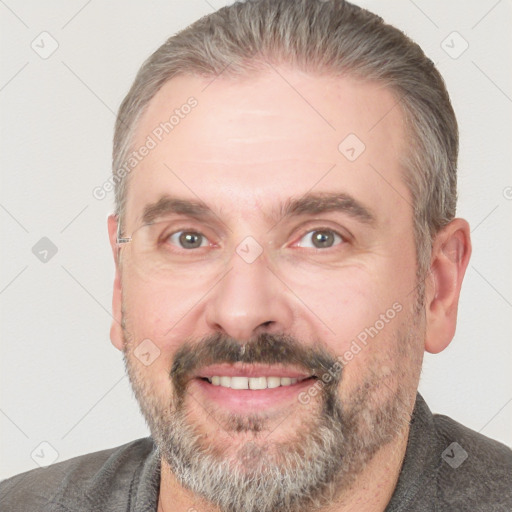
x=409, y=139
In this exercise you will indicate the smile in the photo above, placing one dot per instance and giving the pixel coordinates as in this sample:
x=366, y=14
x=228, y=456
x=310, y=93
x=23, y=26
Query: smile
x=247, y=388
x=242, y=382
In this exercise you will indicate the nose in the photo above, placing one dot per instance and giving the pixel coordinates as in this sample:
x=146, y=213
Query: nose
x=248, y=300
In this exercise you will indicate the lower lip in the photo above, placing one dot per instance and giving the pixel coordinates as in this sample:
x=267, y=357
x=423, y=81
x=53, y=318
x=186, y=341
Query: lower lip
x=251, y=400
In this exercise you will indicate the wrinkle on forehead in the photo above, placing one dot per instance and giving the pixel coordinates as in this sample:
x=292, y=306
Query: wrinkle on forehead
x=250, y=138
x=267, y=109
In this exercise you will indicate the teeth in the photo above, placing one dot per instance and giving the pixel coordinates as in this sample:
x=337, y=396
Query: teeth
x=273, y=382
x=239, y=382
x=257, y=383
x=225, y=382
x=251, y=382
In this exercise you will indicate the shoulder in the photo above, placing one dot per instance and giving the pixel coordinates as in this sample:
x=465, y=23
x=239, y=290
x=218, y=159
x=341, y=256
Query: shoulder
x=474, y=471
x=65, y=485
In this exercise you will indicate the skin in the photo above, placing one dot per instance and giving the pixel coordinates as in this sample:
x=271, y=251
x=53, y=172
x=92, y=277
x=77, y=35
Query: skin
x=249, y=145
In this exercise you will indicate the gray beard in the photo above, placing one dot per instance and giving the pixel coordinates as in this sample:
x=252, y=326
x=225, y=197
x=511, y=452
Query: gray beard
x=330, y=450
x=311, y=472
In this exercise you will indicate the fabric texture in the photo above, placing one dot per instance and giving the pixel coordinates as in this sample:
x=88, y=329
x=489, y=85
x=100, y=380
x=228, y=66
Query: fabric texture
x=447, y=467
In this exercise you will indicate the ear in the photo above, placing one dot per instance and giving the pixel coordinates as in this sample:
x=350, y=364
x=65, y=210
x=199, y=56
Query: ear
x=451, y=251
x=116, y=332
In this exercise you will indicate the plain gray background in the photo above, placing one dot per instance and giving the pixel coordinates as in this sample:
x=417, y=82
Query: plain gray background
x=62, y=382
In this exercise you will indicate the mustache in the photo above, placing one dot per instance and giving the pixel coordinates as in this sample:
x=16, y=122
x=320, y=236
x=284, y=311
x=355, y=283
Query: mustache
x=271, y=349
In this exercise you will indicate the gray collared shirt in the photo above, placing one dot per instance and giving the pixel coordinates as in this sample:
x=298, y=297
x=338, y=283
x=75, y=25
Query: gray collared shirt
x=447, y=467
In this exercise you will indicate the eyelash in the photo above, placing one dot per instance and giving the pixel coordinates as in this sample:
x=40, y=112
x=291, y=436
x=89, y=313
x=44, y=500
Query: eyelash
x=343, y=238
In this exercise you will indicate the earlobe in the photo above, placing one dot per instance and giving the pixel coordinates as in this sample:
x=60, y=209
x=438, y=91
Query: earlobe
x=450, y=257
x=116, y=332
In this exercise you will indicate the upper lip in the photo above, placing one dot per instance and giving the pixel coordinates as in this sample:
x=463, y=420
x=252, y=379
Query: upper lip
x=251, y=370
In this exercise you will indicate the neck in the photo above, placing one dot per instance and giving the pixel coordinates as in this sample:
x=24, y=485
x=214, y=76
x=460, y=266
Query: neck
x=371, y=492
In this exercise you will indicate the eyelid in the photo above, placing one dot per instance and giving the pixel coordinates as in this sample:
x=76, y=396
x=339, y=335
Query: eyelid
x=344, y=238
x=204, y=238
x=317, y=225
x=186, y=228
x=342, y=233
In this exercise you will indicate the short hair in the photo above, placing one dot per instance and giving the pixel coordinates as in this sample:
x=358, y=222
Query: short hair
x=332, y=37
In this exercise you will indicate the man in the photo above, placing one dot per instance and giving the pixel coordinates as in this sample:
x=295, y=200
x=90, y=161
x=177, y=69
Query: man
x=286, y=249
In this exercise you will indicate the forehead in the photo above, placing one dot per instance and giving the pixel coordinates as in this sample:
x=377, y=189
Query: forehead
x=238, y=144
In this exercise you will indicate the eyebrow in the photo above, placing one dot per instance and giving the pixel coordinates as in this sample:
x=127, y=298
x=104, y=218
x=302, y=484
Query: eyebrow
x=167, y=205
x=324, y=202
x=308, y=204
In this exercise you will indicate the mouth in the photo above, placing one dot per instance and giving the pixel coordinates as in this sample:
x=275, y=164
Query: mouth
x=242, y=382
x=250, y=388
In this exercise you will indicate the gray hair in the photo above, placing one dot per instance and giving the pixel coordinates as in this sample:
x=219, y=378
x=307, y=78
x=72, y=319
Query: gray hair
x=330, y=37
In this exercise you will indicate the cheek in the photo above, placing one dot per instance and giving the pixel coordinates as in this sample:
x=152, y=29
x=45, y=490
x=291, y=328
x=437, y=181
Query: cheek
x=363, y=308
x=151, y=306
x=151, y=316
x=346, y=301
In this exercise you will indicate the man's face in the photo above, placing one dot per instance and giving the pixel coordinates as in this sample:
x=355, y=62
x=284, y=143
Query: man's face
x=246, y=292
